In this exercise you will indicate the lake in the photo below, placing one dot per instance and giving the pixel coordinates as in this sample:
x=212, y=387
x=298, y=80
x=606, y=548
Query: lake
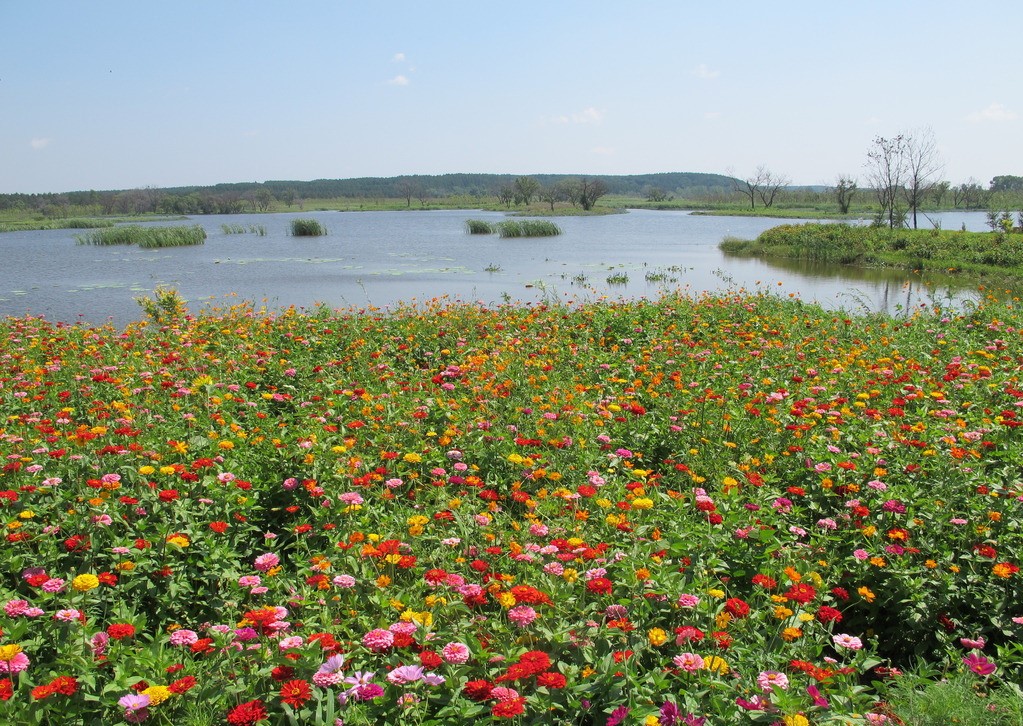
x=381, y=259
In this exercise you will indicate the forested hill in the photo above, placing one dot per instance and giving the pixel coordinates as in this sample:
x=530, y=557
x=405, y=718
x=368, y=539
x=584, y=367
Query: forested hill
x=471, y=184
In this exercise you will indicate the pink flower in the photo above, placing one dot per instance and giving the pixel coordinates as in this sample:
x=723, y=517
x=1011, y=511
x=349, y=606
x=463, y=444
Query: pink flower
x=267, y=562
x=378, y=640
x=851, y=642
x=685, y=600
x=974, y=644
x=522, y=615
x=689, y=662
x=15, y=664
x=184, y=637
x=14, y=608
x=861, y=554
x=769, y=680
x=403, y=675
x=455, y=653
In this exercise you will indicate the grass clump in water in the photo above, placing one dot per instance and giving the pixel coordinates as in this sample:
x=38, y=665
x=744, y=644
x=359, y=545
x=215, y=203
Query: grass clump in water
x=528, y=228
x=479, y=226
x=145, y=237
x=307, y=228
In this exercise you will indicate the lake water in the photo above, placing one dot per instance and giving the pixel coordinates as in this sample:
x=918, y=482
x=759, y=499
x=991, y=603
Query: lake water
x=381, y=259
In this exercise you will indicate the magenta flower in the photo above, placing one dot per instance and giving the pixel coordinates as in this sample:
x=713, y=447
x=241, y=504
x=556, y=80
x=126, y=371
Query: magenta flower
x=979, y=664
x=378, y=640
x=267, y=561
x=818, y=700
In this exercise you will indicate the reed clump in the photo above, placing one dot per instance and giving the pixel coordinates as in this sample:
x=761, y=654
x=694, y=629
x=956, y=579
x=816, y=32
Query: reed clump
x=307, y=228
x=145, y=237
x=479, y=226
x=528, y=228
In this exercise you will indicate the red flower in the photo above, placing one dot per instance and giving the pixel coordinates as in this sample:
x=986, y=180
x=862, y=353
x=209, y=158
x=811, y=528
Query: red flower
x=6, y=689
x=768, y=583
x=182, y=685
x=551, y=680
x=801, y=593
x=282, y=673
x=736, y=607
x=64, y=685
x=509, y=708
x=600, y=586
x=247, y=714
x=429, y=659
x=828, y=614
x=120, y=631
x=219, y=527
x=295, y=693
x=41, y=692
x=478, y=690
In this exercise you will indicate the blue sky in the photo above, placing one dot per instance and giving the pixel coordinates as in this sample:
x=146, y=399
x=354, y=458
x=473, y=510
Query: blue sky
x=116, y=95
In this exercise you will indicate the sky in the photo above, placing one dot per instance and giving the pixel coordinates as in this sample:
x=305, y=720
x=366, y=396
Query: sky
x=118, y=95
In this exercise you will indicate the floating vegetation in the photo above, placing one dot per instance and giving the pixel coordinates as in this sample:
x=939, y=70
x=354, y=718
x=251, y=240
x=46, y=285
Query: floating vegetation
x=479, y=226
x=145, y=237
x=528, y=228
x=618, y=278
x=307, y=228
x=493, y=267
x=662, y=275
x=580, y=279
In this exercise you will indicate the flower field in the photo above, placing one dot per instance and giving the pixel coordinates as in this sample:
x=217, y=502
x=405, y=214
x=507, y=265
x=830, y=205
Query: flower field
x=730, y=509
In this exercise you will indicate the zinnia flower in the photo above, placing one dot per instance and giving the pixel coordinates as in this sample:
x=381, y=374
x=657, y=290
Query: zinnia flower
x=979, y=664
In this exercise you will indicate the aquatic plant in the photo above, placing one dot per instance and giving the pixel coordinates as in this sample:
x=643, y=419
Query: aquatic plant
x=145, y=237
x=307, y=228
x=527, y=228
x=479, y=226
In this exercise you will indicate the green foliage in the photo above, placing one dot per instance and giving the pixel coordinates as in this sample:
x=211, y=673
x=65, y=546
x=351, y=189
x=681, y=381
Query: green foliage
x=618, y=278
x=164, y=307
x=528, y=228
x=145, y=237
x=959, y=699
x=998, y=255
x=307, y=228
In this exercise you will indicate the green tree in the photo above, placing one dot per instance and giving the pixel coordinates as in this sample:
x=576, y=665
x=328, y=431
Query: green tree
x=590, y=190
x=844, y=189
x=526, y=187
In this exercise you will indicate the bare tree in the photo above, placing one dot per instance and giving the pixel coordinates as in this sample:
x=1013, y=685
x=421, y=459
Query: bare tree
x=886, y=172
x=770, y=185
x=407, y=187
x=845, y=188
x=923, y=165
x=749, y=187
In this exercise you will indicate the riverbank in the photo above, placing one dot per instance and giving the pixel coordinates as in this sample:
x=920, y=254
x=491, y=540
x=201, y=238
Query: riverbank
x=981, y=255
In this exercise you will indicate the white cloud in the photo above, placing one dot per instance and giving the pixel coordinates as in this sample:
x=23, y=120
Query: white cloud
x=702, y=71
x=398, y=57
x=39, y=143
x=603, y=150
x=994, y=112
x=399, y=81
x=586, y=116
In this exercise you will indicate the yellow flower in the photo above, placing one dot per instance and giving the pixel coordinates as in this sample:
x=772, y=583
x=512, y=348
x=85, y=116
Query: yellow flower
x=642, y=503
x=866, y=593
x=795, y=719
x=179, y=539
x=506, y=600
x=657, y=637
x=157, y=694
x=716, y=664
x=722, y=619
x=716, y=593
x=651, y=720
x=9, y=651
x=383, y=581
x=85, y=582
x=781, y=612
x=570, y=574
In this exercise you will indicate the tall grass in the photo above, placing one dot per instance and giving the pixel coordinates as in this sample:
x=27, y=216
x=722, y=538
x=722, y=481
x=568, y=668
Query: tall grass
x=479, y=226
x=528, y=228
x=241, y=229
x=307, y=228
x=145, y=237
x=72, y=223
